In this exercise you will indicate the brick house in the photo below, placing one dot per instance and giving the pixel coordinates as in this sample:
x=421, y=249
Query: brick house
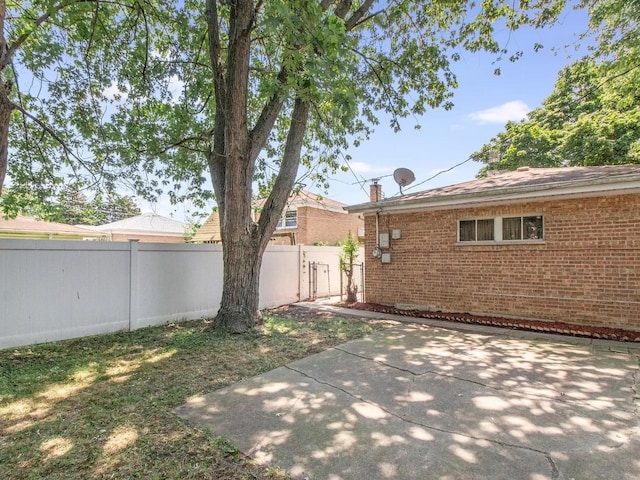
x=307, y=219
x=556, y=244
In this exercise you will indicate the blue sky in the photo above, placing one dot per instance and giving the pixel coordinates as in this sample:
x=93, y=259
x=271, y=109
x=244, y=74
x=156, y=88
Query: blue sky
x=483, y=101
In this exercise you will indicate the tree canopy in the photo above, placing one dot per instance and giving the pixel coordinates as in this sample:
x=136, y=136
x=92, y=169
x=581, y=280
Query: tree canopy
x=113, y=94
x=71, y=206
x=169, y=96
x=592, y=116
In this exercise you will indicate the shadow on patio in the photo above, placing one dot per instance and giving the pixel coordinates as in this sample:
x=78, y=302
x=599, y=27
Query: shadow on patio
x=415, y=402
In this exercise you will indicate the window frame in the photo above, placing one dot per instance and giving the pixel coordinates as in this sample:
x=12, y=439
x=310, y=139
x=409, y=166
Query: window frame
x=282, y=221
x=475, y=230
x=523, y=235
x=498, y=230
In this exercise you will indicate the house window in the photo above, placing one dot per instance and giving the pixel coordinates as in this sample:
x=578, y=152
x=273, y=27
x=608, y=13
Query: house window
x=291, y=218
x=288, y=220
x=476, y=230
x=522, y=228
x=501, y=229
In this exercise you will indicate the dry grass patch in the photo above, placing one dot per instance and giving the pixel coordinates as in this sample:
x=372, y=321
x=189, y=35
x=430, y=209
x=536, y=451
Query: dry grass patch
x=102, y=407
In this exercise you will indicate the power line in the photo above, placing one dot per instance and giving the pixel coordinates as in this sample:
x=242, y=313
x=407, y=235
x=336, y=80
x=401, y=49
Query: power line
x=373, y=179
x=439, y=173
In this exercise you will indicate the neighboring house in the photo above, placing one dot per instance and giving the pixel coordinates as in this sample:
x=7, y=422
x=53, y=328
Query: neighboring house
x=557, y=244
x=209, y=232
x=147, y=227
x=32, y=228
x=307, y=219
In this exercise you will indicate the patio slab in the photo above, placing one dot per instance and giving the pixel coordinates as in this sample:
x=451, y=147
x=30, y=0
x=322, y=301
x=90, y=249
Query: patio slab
x=422, y=402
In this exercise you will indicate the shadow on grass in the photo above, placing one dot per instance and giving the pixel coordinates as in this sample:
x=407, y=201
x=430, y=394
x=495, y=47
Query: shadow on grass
x=102, y=407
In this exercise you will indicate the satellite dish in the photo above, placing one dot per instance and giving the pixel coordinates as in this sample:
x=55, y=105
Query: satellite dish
x=403, y=177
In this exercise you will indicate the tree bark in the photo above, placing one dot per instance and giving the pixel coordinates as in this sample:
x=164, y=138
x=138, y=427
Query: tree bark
x=5, y=113
x=239, y=308
x=352, y=290
x=232, y=162
x=5, y=104
x=245, y=241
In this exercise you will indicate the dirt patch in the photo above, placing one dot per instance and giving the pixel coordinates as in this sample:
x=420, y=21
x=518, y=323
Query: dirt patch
x=300, y=313
x=607, y=333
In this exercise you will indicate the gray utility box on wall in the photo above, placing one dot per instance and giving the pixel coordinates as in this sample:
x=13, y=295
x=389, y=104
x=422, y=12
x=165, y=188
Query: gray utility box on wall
x=384, y=240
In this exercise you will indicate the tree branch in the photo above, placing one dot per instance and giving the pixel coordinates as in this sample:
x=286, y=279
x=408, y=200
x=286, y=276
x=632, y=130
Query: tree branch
x=283, y=185
x=267, y=118
x=343, y=8
x=369, y=61
x=180, y=143
x=15, y=46
x=269, y=114
x=354, y=19
x=46, y=128
x=217, y=157
x=3, y=40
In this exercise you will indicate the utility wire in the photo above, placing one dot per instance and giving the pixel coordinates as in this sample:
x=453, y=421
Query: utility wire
x=439, y=173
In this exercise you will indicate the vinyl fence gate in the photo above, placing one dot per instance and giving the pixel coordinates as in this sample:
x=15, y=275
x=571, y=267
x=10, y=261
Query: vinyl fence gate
x=319, y=287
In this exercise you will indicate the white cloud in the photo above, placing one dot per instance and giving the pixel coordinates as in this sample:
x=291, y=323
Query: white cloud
x=175, y=88
x=515, y=110
x=112, y=93
x=362, y=167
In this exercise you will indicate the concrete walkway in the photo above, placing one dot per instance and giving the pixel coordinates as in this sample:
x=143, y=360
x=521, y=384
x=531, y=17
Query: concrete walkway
x=427, y=402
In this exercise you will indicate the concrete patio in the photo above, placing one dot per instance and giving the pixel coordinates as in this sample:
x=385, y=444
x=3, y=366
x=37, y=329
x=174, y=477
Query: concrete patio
x=427, y=402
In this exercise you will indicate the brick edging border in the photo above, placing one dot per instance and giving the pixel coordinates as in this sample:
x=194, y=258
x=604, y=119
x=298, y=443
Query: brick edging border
x=603, y=333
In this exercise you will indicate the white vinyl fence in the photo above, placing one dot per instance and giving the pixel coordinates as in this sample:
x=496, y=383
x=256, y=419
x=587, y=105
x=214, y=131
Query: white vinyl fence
x=53, y=290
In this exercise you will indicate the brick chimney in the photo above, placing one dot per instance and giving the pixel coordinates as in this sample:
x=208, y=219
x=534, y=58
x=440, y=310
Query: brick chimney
x=375, y=192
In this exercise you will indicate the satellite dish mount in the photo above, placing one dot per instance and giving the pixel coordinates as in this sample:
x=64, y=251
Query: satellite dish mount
x=403, y=177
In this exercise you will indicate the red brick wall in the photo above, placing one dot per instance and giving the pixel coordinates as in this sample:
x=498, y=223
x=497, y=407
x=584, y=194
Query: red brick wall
x=283, y=239
x=587, y=270
x=318, y=225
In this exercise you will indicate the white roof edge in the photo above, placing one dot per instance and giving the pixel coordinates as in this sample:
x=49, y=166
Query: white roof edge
x=158, y=233
x=22, y=231
x=317, y=207
x=515, y=195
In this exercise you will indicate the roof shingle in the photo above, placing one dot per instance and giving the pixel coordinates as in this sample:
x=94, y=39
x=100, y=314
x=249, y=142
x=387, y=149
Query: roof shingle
x=524, y=181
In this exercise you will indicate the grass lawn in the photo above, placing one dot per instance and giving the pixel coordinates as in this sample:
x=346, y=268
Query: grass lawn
x=102, y=406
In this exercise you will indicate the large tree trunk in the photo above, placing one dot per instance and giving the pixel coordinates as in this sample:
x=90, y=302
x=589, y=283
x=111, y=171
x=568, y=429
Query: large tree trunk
x=244, y=240
x=5, y=113
x=232, y=164
x=5, y=104
x=239, y=308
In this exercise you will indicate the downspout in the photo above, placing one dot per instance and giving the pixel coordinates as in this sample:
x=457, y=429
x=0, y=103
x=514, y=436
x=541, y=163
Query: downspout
x=377, y=253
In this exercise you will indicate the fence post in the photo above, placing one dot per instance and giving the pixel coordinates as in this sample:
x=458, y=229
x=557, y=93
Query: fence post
x=133, y=283
x=301, y=268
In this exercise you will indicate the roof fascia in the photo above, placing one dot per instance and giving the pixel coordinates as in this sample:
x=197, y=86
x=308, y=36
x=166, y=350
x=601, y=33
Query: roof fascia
x=160, y=233
x=39, y=234
x=482, y=199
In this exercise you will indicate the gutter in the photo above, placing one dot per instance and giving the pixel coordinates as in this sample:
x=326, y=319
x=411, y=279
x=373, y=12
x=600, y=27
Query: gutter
x=600, y=187
x=40, y=235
